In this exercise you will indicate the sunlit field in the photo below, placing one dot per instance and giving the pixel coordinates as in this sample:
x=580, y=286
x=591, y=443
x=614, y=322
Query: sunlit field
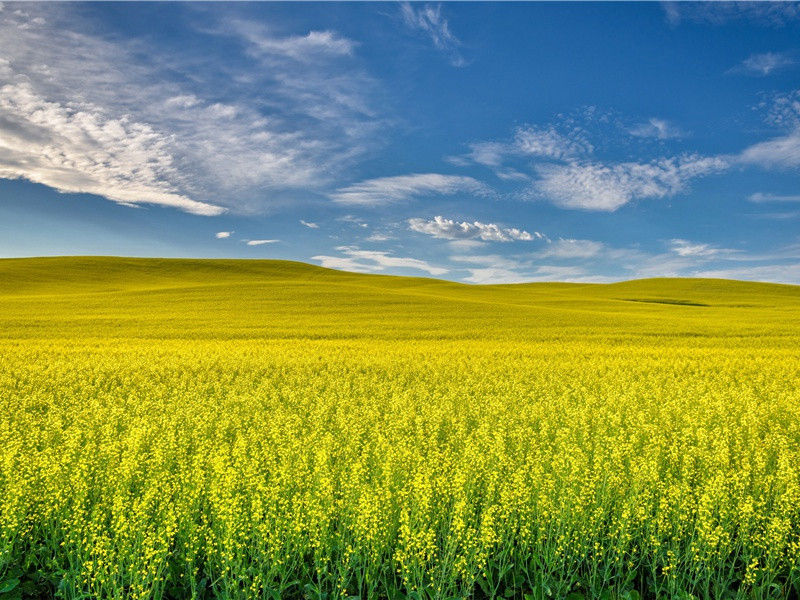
x=264, y=429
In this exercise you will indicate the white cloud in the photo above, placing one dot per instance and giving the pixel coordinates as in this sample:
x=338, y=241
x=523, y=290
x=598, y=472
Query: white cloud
x=759, y=197
x=686, y=248
x=429, y=20
x=511, y=175
x=783, y=151
x=531, y=142
x=764, y=64
x=570, y=248
x=261, y=242
x=464, y=245
x=783, y=110
x=387, y=190
x=304, y=48
x=490, y=154
x=495, y=269
x=82, y=113
x=78, y=148
x=223, y=235
x=344, y=263
x=309, y=224
x=776, y=14
x=657, y=128
x=558, y=273
x=439, y=227
x=785, y=273
x=495, y=276
x=491, y=268
x=595, y=186
x=548, y=143
x=379, y=237
x=356, y=259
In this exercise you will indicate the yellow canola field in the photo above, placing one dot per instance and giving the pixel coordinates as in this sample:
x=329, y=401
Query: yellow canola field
x=263, y=429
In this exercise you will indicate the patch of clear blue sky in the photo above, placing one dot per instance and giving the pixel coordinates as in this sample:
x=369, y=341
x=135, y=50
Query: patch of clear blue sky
x=413, y=90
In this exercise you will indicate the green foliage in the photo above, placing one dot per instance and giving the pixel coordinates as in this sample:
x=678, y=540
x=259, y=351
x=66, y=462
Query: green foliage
x=263, y=429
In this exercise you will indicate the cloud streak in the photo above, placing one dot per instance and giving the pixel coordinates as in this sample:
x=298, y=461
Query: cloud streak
x=261, y=242
x=371, y=261
x=402, y=188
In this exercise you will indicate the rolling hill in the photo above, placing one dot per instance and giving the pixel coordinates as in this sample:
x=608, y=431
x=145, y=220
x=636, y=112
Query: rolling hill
x=142, y=297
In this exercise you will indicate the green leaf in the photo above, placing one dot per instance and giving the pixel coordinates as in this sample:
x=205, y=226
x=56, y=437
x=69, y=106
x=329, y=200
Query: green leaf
x=8, y=585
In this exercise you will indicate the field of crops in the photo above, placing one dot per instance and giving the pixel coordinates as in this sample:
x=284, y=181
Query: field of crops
x=264, y=429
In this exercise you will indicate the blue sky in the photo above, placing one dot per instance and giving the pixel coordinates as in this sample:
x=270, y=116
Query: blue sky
x=479, y=142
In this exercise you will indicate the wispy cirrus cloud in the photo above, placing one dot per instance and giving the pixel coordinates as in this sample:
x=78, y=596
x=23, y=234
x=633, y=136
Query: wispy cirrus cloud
x=761, y=198
x=782, y=152
x=687, y=248
x=448, y=229
x=402, y=188
x=547, y=142
x=775, y=14
x=601, y=187
x=571, y=248
x=782, y=111
x=223, y=235
x=764, y=64
x=309, y=224
x=529, y=142
x=430, y=21
x=80, y=112
x=372, y=261
x=660, y=129
x=303, y=48
x=79, y=148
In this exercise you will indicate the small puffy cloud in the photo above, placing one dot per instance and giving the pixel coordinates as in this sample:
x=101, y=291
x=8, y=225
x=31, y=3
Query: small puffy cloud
x=657, y=128
x=261, y=242
x=570, y=248
x=309, y=224
x=764, y=64
x=223, y=235
x=595, y=186
x=355, y=259
x=400, y=188
x=448, y=229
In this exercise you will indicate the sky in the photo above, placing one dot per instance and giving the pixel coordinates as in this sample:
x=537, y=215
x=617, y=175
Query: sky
x=476, y=142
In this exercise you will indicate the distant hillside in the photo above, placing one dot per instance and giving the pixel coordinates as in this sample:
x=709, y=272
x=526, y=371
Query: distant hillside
x=142, y=297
